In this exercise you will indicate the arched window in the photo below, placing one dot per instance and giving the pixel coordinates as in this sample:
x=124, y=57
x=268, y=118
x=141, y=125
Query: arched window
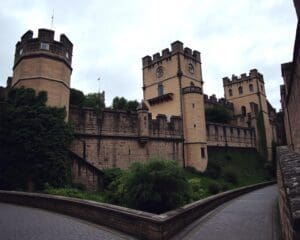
x=243, y=111
x=240, y=90
x=192, y=84
x=251, y=88
x=230, y=92
x=160, y=89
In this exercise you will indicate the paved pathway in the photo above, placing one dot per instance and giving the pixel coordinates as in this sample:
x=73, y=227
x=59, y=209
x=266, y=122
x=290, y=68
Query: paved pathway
x=253, y=216
x=24, y=223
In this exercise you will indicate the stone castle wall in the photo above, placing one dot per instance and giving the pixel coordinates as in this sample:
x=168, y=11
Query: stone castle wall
x=222, y=135
x=290, y=93
x=112, y=138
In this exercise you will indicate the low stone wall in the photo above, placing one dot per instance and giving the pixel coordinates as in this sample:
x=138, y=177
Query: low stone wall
x=140, y=224
x=288, y=176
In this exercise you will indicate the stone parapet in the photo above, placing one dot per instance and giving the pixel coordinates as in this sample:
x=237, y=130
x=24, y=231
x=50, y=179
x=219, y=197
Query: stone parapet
x=44, y=45
x=235, y=79
x=213, y=100
x=225, y=135
x=288, y=178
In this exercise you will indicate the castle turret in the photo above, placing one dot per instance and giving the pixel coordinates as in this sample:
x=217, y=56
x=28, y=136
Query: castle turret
x=247, y=93
x=44, y=64
x=172, y=84
x=143, y=122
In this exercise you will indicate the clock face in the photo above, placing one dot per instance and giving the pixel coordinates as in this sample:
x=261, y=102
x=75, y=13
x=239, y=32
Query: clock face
x=159, y=72
x=191, y=68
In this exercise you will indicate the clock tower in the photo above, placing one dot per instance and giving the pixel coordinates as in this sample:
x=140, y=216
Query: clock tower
x=172, y=85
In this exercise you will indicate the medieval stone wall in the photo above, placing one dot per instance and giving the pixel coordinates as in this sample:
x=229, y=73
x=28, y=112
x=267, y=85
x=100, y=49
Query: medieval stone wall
x=290, y=93
x=222, y=135
x=112, y=138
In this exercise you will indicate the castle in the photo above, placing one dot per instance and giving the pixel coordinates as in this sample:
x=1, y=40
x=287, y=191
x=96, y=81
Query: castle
x=170, y=123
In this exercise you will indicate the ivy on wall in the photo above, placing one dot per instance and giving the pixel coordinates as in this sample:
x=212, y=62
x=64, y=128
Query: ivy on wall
x=262, y=144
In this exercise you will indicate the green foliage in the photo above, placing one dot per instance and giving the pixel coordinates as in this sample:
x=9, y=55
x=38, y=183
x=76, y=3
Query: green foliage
x=75, y=193
x=111, y=175
x=92, y=100
x=156, y=186
x=218, y=114
x=34, y=142
x=76, y=97
x=213, y=170
x=197, y=190
x=262, y=145
x=214, y=188
x=231, y=176
x=122, y=104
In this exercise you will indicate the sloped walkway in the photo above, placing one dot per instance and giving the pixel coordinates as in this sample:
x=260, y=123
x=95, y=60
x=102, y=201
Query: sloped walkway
x=25, y=223
x=253, y=216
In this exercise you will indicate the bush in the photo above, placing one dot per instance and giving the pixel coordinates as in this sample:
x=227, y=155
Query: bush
x=213, y=170
x=214, y=188
x=110, y=175
x=156, y=186
x=231, y=177
x=197, y=191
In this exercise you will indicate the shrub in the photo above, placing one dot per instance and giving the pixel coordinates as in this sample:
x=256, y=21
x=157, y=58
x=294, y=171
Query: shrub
x=231, y=177
x=213, y=170
x=197, y=191
x=156, y=186
x=110, y=175
x=214, y=188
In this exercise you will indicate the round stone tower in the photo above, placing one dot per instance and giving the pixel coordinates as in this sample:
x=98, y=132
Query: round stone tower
x=44, y=64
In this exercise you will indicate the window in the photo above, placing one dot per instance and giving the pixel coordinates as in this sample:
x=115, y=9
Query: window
x=254, y=107
x=230, y=92
x=251, y=88
x=67, y=55
x=21, y=51
x=192, y=84
x=243, y=111
x=262, y=88
x=202, y=152
x=193, y=104
x=240, y=90
x=44, y=46
x=160, y=89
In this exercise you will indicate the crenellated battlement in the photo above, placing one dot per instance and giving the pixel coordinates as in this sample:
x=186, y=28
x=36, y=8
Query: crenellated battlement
x=213, y=100
x=176, y=47
x=122, y=123
x=235, y=79
x=44, y=45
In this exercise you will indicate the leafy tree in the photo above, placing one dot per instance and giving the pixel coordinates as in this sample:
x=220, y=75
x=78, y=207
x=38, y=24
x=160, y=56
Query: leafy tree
x=95, y=101
x=121, y=103
x=76, y=97
x=132, y=105
x=34, y=142
x=218, y=114
x=156, y=186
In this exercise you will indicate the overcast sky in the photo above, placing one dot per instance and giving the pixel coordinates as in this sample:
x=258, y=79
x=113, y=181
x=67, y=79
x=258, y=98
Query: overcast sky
x=111, y=37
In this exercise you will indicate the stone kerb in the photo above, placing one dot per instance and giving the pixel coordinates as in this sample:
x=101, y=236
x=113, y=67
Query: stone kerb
x=288, y=177
x=140, y=224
